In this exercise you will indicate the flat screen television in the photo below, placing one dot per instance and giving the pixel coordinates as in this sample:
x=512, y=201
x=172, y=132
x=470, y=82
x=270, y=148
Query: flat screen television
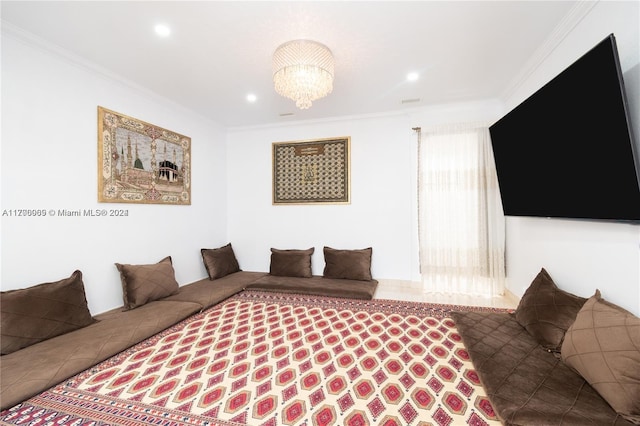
x=568, y=151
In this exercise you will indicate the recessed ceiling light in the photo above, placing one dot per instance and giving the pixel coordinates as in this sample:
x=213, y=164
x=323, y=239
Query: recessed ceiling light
x=252, y=98
x=412, y=76
x=162, y=30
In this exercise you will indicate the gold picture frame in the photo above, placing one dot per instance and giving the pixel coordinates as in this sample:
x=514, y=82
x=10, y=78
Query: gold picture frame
x=314, y=171
x=141, y=163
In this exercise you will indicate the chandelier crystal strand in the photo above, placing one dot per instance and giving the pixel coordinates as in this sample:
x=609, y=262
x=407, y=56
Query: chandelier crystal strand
x=303, y=71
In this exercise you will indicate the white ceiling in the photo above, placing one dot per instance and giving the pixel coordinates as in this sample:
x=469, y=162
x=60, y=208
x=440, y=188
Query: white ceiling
x=220, y=51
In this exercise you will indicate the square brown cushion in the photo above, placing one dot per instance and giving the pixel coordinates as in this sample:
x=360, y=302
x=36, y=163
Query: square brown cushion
x=291, y=263
x=546, y=312
x=347, y=264
x=603, y=345
x=145, y=283
x=220, y=261
x=38, y=313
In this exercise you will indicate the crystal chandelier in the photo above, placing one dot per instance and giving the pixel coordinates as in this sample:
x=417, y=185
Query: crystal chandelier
x=303, y=71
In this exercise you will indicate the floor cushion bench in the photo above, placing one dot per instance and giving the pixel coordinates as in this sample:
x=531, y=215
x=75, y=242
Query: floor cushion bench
x=30, y=370
x=32, y=361
x=316, y=285
x=526, y=384
x=208, y=292
x=558, y=359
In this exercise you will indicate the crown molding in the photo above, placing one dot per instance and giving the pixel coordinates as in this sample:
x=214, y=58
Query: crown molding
x=577, y=13
x=12, y=31
x=32, y=40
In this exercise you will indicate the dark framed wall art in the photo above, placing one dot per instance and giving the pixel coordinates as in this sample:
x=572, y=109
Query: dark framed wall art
x=312, y=171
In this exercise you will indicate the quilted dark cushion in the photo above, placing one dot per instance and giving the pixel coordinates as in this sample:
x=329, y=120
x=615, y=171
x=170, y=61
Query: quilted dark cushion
x=38, y=313
x=220, y=261
x=144, y=283
x=527, y=385
x=546, y=312
x=291, y=263
x=603, y=345
x=348, y=264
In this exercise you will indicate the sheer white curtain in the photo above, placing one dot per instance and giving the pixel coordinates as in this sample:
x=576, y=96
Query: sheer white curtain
x=461, y=223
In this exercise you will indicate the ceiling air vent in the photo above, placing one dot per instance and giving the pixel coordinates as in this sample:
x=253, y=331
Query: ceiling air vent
x=410, y=101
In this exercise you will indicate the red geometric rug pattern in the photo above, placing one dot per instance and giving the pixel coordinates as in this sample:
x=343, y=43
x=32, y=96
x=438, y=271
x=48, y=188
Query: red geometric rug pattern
x=268, y=359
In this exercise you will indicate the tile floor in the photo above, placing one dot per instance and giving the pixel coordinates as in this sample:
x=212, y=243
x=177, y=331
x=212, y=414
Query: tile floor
x=410, y=291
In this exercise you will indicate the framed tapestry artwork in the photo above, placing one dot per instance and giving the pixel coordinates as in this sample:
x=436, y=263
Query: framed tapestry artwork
x=141, y=163
x=312, y=171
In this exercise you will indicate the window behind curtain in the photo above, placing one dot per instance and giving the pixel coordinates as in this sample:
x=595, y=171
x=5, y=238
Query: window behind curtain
x=461, y=223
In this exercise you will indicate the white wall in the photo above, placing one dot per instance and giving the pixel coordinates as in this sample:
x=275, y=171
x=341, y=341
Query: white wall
x=580, y=255
x=379, y=215
x=48, y=158
x=49, y=161
x=383, y=210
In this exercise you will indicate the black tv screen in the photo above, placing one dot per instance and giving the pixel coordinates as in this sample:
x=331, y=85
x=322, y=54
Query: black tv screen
x=568, y=150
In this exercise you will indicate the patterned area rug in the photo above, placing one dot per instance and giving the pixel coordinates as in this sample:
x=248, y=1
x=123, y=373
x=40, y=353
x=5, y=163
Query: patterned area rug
x=269, y=359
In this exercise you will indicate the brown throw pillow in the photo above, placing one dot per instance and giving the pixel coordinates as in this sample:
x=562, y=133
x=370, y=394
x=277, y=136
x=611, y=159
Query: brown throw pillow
x=291, y=263
x=38, y=313
x=603, y=345
x=348, y=264
x=546, y=312
x=220, y=261
x=145, y=283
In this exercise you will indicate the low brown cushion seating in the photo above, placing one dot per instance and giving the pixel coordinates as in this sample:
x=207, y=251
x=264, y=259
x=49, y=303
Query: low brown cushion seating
x=153, y=302
x=146, y=283
x=603, y=345
x=220, y=261
x=516, y=356
x=347, y=273
x=347, y=264
x=526, y=384
x=33, y=369
x=316, y=285
x=547, y=311
x=28, y=371
x=208, y=292
x=43, y=311
x=291, y=262
x=38, y=367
